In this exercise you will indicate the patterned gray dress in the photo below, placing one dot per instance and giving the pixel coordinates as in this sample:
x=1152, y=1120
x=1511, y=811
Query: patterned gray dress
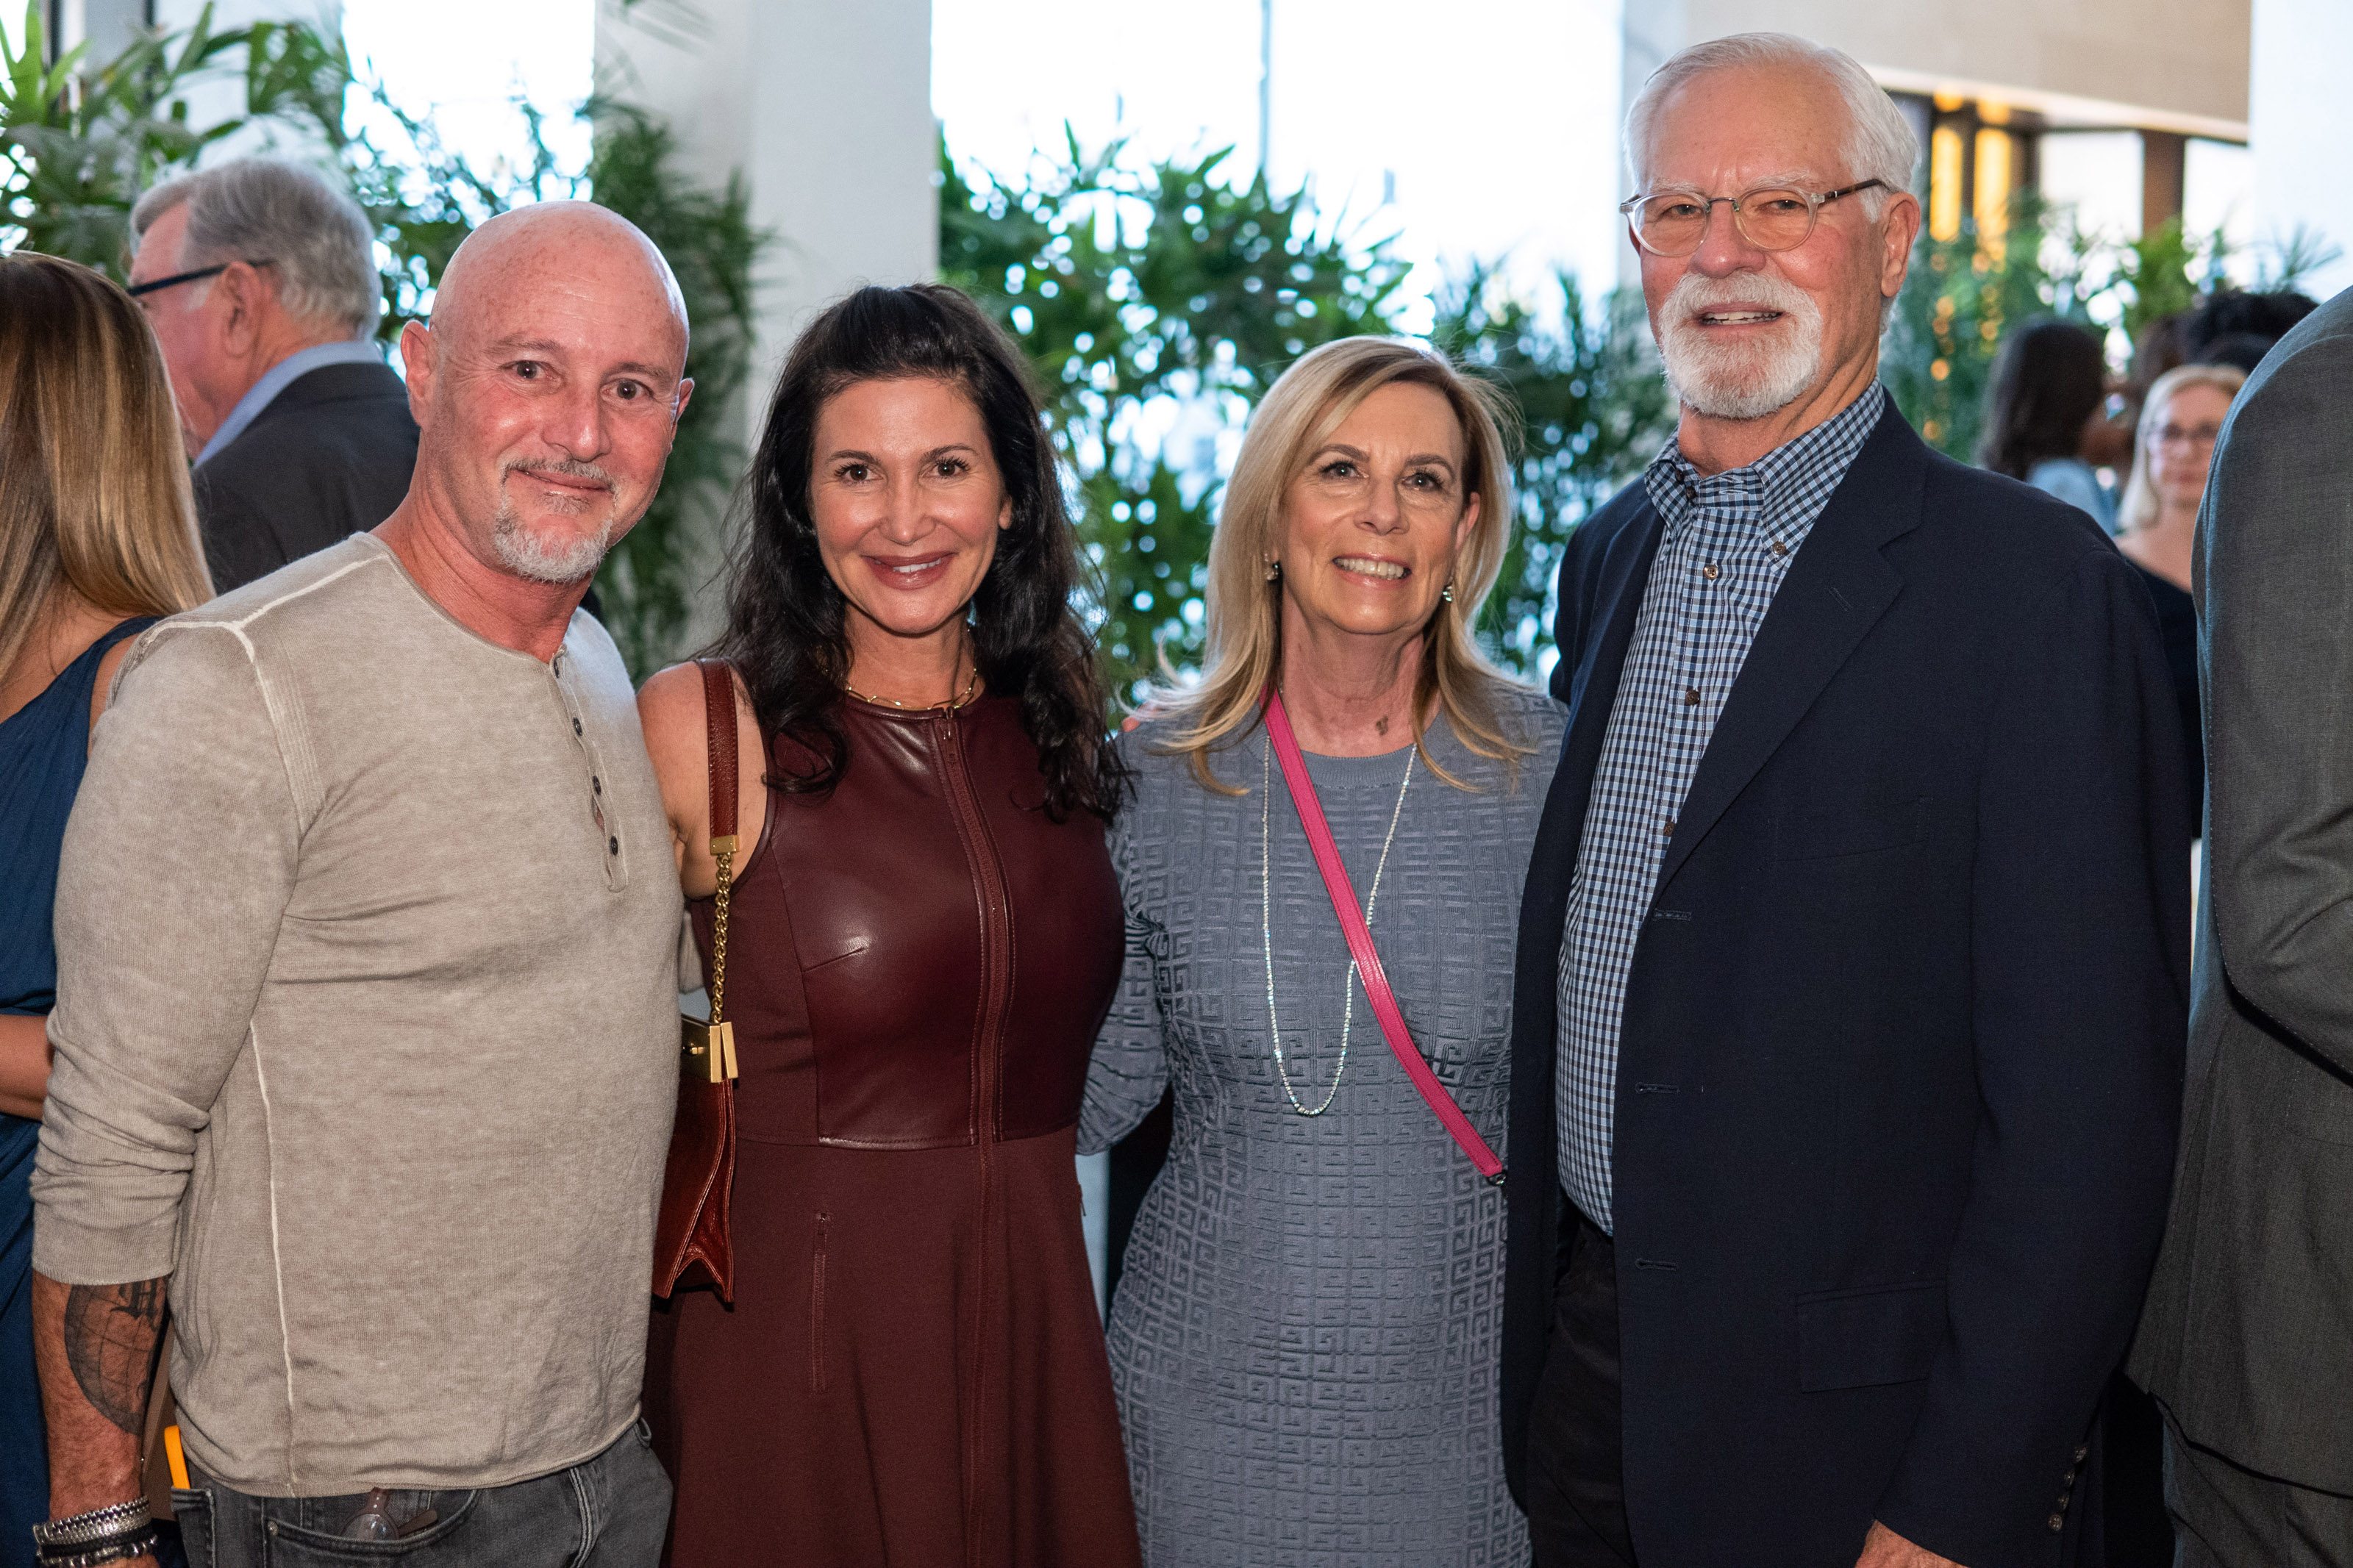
x=1304, y=1337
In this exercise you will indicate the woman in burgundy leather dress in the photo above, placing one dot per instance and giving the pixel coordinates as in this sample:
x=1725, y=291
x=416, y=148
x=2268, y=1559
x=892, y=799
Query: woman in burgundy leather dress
x=923, y=943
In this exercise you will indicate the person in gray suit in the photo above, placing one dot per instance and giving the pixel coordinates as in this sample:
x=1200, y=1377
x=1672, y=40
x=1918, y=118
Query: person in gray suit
x=2247, y=1339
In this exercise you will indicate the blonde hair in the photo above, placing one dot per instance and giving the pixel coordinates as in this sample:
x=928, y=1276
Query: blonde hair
x=1244, y=647
x=93, y=478
x=2137, y=508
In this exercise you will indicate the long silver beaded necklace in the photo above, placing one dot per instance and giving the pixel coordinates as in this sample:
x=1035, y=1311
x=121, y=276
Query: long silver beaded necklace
x=1266, y=924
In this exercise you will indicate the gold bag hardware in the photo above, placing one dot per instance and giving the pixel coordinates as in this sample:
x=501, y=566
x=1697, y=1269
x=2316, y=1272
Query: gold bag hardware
x=707, y=1051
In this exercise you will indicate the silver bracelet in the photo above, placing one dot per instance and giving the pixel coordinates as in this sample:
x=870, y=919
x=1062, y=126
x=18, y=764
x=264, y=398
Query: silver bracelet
x=139, y=1542
x=87, y=1529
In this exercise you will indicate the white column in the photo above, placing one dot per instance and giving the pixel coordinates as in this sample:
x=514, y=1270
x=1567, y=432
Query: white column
x=2300, y=123
x=826, y=111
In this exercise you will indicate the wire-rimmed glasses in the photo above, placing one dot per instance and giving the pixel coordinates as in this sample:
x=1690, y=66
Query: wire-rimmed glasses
x=1771, y=217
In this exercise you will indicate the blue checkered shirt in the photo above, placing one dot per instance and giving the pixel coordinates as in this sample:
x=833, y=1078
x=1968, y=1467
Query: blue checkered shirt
x=1728, y=543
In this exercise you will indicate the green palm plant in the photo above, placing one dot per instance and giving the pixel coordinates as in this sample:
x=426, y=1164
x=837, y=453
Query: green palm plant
x=1151, y=297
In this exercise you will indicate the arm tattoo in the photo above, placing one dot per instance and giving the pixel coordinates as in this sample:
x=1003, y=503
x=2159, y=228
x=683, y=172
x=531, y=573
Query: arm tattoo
x=110, y=1336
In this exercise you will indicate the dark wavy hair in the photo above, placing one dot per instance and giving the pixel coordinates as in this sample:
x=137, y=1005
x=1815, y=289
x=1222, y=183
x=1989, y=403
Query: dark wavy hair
x=2049, y=379
x=787, y=629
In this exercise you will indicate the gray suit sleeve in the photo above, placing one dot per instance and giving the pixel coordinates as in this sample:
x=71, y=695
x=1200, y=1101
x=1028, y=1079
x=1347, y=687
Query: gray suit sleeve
x=178, y=862
x=2276, y=586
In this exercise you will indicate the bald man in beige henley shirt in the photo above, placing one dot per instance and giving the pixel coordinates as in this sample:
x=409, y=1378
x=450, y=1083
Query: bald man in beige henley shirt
x=368, y=933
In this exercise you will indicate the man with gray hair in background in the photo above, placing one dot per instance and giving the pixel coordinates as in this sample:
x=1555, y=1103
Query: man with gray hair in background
x=259, y=277
x=366, y=1038
x=1848, y=1034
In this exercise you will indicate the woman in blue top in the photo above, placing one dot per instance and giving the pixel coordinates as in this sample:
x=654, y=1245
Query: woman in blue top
x=97, y=538
x=2046, y=418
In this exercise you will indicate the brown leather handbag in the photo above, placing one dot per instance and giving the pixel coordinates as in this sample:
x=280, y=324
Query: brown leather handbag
x=691, y=1230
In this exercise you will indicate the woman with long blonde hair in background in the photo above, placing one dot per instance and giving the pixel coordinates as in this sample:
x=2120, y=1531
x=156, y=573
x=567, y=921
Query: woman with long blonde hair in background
x=2156, y=520
x=1304, y=1337
x=97, y=538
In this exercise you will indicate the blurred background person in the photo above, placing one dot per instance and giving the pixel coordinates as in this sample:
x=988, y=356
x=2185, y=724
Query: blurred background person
x=1315, y=1287
x=2046, y=415
x=97, y=540
x=2237, y=328
x=926, y=935
x=2157, y=521
x=260, y=276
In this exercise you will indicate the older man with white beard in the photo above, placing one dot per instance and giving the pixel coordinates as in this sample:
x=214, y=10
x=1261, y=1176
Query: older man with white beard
x=1854, y=954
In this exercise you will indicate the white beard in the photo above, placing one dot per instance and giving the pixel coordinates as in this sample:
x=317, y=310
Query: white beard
x=542, y=560
x=1748, y=381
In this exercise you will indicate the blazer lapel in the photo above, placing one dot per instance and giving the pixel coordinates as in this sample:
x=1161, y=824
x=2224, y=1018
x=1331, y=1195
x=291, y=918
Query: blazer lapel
x=1835, y=592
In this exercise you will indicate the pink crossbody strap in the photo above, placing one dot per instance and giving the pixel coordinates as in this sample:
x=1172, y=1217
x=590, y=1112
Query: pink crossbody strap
x=1360, y=944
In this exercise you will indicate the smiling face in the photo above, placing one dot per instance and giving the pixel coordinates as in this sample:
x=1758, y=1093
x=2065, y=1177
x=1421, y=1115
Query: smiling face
x=547, y=391
x=2181, y=440
x=1745, y=332
x=908, y=501
x=1371, y=526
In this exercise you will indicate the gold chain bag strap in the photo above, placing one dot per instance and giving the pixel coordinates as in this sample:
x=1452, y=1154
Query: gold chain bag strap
x=692, y=1231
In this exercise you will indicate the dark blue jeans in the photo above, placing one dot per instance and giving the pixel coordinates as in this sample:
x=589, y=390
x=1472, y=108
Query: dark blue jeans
x=610, y=1511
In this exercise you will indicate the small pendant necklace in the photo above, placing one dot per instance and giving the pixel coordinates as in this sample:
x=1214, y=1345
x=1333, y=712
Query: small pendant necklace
x=1266, y=925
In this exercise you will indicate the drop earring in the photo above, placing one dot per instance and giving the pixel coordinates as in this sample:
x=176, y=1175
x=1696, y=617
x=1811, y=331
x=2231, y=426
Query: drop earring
x=1447, y=593
x=1275, y=571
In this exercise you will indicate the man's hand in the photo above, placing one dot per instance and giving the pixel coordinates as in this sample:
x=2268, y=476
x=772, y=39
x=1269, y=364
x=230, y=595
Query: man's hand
x=95, y=1346
x=1882, y=1548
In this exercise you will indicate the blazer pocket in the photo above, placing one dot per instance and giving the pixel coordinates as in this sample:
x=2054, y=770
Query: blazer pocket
x=1860, y=829
x=1859, y=1339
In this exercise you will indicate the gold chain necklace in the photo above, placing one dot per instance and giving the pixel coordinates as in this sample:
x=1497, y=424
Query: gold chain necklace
x=971, y=688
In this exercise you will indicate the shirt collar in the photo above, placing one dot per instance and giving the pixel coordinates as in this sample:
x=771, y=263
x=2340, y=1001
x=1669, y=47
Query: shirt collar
x=277, y=378
x=1787, y=487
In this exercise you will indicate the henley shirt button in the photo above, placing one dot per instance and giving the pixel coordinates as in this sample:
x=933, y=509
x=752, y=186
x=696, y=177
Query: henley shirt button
x=613, y=845
x=576, y=726
x=597, y=784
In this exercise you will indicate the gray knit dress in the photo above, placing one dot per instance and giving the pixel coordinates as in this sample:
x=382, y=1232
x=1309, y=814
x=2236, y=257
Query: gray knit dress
x=1304, y=1338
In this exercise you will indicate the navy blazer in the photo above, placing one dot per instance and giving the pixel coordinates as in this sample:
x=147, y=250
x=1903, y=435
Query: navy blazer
x=1900, y=1073
x=331, y=456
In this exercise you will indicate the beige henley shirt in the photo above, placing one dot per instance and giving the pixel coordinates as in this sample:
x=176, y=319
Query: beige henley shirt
x=367, y=934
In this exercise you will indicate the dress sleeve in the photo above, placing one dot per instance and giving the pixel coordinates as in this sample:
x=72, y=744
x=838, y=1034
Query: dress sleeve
x=1130, y=1069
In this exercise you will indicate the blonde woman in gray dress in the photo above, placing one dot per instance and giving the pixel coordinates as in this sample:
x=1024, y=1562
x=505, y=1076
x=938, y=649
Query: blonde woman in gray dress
x=1304, y=1336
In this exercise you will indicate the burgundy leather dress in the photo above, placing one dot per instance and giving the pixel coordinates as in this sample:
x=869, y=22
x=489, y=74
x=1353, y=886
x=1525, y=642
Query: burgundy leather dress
x=913, y=1371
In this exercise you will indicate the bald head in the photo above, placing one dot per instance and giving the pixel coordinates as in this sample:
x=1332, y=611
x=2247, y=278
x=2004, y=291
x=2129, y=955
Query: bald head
x=574, y=246
x=547, y=387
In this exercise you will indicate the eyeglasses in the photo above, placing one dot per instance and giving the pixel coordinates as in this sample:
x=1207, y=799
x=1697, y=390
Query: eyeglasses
x=2185, y=434
x=1771, y=217
x=137, y=290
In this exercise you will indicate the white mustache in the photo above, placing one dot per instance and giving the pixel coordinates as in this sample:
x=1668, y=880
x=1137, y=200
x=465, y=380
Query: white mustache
x=1695, y=293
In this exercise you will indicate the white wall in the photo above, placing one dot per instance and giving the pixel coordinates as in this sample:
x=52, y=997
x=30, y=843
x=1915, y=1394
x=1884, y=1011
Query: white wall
x=2301, y=127
x=824, y=108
